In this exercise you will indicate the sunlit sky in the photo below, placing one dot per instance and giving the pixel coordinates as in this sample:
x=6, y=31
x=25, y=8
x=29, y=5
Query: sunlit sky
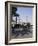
x=25, y=14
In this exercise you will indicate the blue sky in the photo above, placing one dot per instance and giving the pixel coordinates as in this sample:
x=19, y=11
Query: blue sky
x=23, y=12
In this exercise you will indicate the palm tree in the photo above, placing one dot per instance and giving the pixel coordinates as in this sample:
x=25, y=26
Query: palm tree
x=14, y=9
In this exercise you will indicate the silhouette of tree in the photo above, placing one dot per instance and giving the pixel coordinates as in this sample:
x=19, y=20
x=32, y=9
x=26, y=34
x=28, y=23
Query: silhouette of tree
x=14, y=9
x=28, y=25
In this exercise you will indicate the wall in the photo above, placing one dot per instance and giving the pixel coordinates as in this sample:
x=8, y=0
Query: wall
x=37, y=22
x=2, y=22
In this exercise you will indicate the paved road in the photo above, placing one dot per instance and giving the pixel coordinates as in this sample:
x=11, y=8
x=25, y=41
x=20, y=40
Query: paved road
x=26, y=33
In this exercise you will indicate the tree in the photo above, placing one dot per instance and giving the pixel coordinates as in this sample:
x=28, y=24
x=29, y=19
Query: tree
x=28, y=25
x=14, y=9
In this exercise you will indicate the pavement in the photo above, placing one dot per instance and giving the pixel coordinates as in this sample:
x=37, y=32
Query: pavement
x=27, y=33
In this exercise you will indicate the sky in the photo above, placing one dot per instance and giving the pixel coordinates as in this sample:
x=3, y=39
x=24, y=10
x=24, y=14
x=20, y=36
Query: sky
x=25, y=14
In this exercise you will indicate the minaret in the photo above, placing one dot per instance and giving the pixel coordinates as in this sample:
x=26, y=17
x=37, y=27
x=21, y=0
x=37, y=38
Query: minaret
x=19, y=20
x=26, y=19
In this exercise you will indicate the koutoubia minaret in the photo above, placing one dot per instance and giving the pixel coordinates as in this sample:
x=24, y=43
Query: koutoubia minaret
x=26, y=19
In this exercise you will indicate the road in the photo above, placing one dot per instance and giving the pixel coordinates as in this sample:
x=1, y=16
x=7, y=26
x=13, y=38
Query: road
x=26, y=33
